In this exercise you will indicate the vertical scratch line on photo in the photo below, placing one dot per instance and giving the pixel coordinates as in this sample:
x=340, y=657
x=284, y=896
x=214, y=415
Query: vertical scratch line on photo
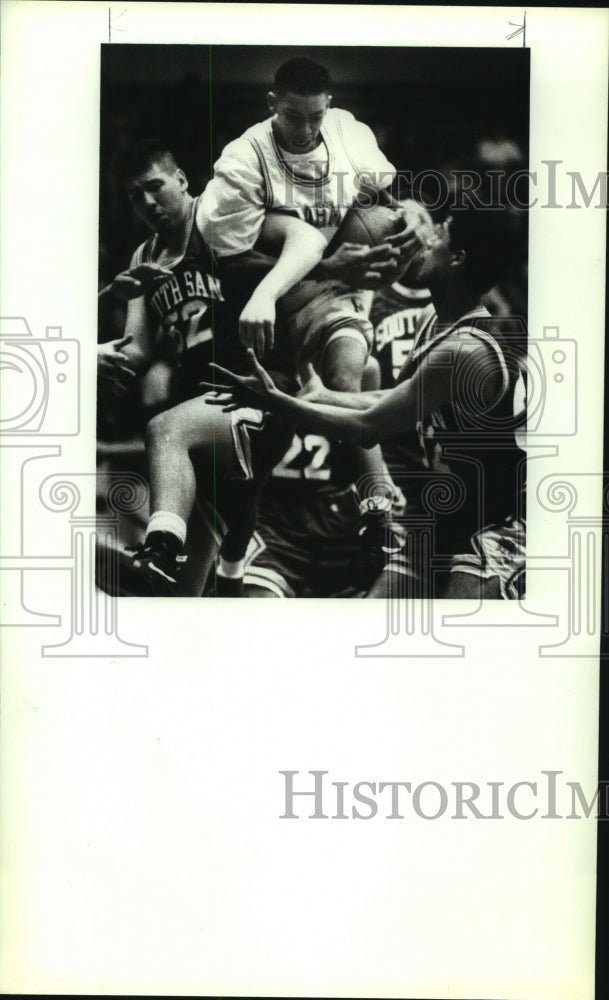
x=605, y=589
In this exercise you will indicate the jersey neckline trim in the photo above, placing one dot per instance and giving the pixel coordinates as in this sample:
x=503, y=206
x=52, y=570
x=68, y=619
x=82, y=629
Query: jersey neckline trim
x=150, y=259
x=287, y=170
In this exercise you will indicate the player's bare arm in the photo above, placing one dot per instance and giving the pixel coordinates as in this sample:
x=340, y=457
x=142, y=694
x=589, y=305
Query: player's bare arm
x=360, y=266
x=300, y=249
x=375, y=415
x=372, y=195
x=113, y=364
x=138, y=349
x=118, y=360
x=332, y=421
x=464, y=368
x=136, y=281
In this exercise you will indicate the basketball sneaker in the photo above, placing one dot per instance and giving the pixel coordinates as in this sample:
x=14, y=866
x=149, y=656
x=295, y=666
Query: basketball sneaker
x=379, y=537
x=150, y=570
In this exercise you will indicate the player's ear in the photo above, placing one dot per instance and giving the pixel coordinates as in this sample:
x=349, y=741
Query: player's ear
x=182, y=178
x=458, y=258
x=271, y=100
x=329, y=100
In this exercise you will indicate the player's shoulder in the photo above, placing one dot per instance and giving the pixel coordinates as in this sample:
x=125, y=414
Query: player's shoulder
x=478, y=331
x=243, y=149
x=142, y=254
x=339, y=120
x=258, y=130
x=475, y=351
x=339, y=115
x=468, y=339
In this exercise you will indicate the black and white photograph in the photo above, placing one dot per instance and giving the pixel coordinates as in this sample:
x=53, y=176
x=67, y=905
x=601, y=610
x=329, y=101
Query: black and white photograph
x=303, y=301
x=345, y=219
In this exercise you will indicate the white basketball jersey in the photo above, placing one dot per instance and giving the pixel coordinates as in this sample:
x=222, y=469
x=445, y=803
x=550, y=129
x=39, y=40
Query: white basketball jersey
x=255, y=176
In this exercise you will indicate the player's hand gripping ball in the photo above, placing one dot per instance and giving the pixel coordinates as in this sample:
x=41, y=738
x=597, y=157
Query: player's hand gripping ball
x=359, y=253
x=365, y=227
x=414, y=234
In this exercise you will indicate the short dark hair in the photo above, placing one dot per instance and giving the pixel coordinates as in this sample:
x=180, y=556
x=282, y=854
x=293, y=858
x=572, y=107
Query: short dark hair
x=302, y=76
x=139, y=157
x=487, y=237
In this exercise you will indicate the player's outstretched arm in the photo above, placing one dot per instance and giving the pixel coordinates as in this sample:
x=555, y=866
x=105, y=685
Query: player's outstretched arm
x=386, y=412
x=300, y=248
x=119, y=361
x=113, y=364
x=259, y=389
x=137, y=349
x=136, y=281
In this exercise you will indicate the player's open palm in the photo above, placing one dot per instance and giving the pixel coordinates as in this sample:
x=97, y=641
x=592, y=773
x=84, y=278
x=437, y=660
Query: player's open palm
x=312, y=386
x=241, y=390
x=138, y=280
x=113, y=364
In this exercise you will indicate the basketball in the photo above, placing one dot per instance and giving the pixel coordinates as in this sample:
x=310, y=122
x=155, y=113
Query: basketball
x=366, y=227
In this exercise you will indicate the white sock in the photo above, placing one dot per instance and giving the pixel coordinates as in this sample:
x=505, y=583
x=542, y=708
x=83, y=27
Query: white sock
x=231, y=570
x=166, y=520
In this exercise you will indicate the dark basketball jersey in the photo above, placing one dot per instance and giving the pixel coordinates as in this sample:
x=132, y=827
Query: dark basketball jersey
x=308, y=478
x=307, y=524
x=472, y=444
x=394, y=315
x=191, y=322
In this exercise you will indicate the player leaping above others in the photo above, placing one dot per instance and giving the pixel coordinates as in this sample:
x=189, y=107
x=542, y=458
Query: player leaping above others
x=310, y=161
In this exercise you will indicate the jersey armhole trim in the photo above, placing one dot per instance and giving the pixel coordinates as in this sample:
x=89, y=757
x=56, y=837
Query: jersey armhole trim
x=490, y=341
x=266, y=180
x=341, y=136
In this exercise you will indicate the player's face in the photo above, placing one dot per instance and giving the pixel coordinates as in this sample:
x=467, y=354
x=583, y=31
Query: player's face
x=297, y=119
x=159, y=196
x=437, y=256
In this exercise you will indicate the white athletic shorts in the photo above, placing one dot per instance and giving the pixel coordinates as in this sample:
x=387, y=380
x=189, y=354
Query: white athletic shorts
x=321, y=311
